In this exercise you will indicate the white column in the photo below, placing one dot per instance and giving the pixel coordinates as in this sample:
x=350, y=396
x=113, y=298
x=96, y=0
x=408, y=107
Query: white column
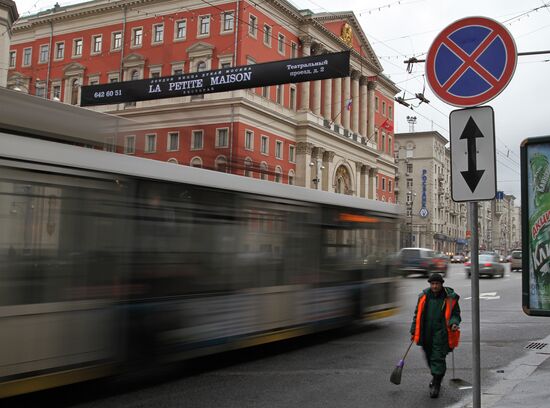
x=358, y=173
x=328, y=171
x=316, y=103
x=373, y=174
x=303, y=159
x=327, y=108
x=306, y=52
x=346, y=94
x=363, y=107
x=356, y=105
x=371, y=87
x=317, y=168
x=337, y=101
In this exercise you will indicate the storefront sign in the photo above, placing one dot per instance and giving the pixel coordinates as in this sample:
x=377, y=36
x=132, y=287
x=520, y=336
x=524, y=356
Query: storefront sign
x=423, y=210
x=334, y=65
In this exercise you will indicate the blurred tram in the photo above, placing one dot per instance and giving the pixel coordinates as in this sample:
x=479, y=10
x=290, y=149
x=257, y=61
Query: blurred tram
x=109, y=261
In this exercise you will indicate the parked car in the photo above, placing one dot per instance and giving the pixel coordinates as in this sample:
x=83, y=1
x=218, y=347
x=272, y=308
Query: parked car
x=458, y=258
x=489, y=265
x=421, y=261
x=515, y=259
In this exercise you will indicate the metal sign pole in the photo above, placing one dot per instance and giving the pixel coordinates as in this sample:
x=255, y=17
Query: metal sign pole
x=474, y=263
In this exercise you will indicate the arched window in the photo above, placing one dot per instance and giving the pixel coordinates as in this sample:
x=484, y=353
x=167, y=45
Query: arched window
x=135, y=75
x=74, y=91
x=343, y=181
x=196, y=162
x=263, y=171
x=291, y=177
x=172, y=160
x=248, y=167
x=201, y=66
x=221, y=164
x=278, y=174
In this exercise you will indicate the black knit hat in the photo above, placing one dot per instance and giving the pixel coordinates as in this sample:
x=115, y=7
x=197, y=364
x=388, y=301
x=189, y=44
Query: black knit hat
x=435, y=277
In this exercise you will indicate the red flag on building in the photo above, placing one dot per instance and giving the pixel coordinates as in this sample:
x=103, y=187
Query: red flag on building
x=387, y=125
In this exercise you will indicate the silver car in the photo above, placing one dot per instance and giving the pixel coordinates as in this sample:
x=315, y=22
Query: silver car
x=489, y=265
x=515, y=260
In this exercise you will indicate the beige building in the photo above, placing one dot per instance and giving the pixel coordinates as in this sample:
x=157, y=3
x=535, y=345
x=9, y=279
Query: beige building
x=433, y=220
x=8, y=15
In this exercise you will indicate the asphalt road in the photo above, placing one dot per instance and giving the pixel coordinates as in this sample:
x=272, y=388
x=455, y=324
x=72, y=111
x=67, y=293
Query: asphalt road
x=344, y=368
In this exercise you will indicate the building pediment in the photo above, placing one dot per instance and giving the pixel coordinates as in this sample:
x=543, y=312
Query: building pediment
x=200, y=49
x=133, y=60
x=74, y=68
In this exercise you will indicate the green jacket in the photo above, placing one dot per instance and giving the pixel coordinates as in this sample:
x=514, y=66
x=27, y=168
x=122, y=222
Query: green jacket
x=432, y=324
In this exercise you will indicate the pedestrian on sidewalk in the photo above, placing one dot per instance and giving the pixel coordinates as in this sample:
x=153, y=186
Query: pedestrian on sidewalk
x=435, y=327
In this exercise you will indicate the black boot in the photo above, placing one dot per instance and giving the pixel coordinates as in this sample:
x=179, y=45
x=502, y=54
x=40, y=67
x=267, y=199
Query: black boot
x=435, y=386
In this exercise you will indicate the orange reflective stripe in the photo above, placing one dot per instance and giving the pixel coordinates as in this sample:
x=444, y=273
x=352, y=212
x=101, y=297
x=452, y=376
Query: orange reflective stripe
x=452, y=336
x=420, y=310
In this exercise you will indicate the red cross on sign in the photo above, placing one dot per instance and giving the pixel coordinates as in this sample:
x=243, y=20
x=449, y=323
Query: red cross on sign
x=471, y=61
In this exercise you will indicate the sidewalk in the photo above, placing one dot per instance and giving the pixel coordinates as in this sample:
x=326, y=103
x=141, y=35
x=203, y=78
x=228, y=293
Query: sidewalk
x=524, y=383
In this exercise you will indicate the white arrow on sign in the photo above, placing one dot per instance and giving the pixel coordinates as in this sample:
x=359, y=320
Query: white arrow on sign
x=473, y=160
x=486, y=296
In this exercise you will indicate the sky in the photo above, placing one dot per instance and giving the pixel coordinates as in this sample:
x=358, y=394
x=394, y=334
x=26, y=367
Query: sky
x=400, y=29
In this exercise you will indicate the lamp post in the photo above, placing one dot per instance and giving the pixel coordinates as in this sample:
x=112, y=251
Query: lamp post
x=318, y=171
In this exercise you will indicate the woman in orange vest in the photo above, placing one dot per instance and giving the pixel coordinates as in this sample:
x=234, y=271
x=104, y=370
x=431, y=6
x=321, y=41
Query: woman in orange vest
x=435, y=327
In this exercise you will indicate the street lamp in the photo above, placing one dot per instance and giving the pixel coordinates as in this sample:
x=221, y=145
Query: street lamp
x=318, y=168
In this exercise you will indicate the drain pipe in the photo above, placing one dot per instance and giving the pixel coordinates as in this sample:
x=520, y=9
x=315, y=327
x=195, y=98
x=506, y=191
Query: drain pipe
x=235, y=59
x=50, y=53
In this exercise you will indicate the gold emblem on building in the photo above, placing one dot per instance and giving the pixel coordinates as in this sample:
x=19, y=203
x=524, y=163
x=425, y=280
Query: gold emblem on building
x=347, y=34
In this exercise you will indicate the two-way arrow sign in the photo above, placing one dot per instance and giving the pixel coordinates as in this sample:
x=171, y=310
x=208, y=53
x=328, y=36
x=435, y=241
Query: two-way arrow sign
x=473, y=169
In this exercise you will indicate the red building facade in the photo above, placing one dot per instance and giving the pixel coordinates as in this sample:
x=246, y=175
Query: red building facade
x=335, y=135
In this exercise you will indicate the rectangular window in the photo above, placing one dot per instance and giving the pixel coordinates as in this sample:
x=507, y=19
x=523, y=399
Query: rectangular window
x=44, y=52
x=279, y=149
x=158, y=33
x=178, y=71
x=409, y=183
x=252, y=25
x=59, y=51
x=181, y=29
x=113, y=78
x=409, y=168
x=137, y=37
x=383, y=108
x=155, y=74
x=224, y=65
x=389, y=185
x=12, y=59
x=264, y=145
x=40, y=91
x=267, y=35
x=383, y=184
x=97, y=41
x=222, y=137
x=204, y=25
x=376, y=103
x=173, y=141
x=279, y=94
x=197, y=140
x=265, y=91
x=56, y=92
x=291, y=154
x=293, y=97
x=293, y=50
x=249, y=140
x=77, y=47
x=150, y=143
x=116, y=41
x=27, y=56
x=228, y=21
x=390, y=112
x=109, y=145
x=130, y=145
x=281, y=43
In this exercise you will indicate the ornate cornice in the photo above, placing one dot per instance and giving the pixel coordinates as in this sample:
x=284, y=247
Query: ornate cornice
x=304, y=147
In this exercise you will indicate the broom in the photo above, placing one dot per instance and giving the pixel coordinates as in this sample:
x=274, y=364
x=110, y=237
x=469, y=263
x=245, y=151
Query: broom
x=395, y=377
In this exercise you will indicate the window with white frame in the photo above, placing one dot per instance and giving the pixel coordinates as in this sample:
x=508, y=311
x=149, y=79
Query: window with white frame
x=252, y=25
x=180, y=29
x=390, y=112
x=281, y=43
x=264, y=147
x=97, y=41
x=383, y=141
x=204, y=25
x=291, y=177
x=248, y=167
x=116, y=40
x=77, y=47
x=113, y=78
x=409, y=167
x=263, y=171
x=376, y=103
x=228, y=21
x=196, y=162
x=278, y=174
x=249, y=140
x=150, y=143
x=225, y=64
x=221, y=164
x=292, y=100
x=390, y=186
x=40, y=90
x=197, y=139
x=293, y=50
x=291, y=153
x=389, y=144
x=279, y=94
x=59, y=50
x=56, y=92
x=44, y=53
x=267, y=35
x=109, y=145
x=137, y=37
x=409, y=183
x=13, y=55
x=154, y=73
x=383, y=108
x=130, y=144
x=158, y=33
x=27, y=56
x=279, y=149
x=383, y=184
x=222, y=137
x=173, y=141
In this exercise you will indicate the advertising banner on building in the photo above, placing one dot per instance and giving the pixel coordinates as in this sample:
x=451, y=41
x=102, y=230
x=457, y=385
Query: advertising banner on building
x=535, y=202
x=314, y=68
